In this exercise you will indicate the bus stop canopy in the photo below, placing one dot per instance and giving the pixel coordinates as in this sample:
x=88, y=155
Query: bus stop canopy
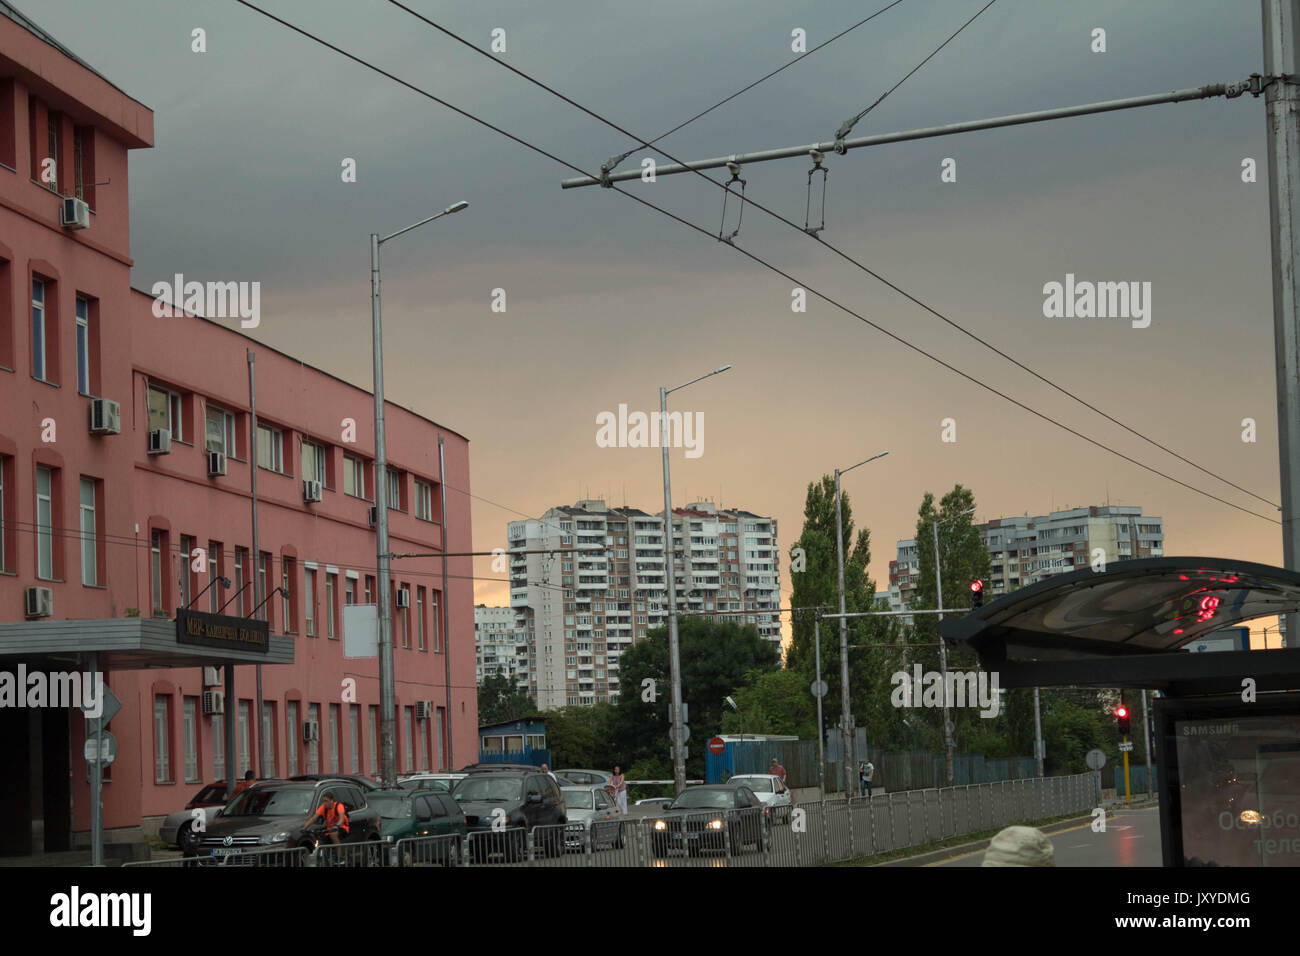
x=1126, y=627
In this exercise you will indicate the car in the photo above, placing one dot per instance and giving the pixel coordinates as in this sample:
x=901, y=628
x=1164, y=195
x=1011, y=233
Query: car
x=594, y=818
x=442, y=782
x=405, y=814
x=711, y=817
x=772, y=790
x=662, y=803
x=584, y=778
x=272, y=814
x=178, y=828
x=365, y=783
x=522, y=799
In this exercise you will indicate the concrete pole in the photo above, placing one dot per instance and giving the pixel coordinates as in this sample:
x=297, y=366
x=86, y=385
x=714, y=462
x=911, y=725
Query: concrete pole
x=387, y=679
x=846, y=732
x=445, y=609
x=670, y=584
x=1038, y=735
x=260, y=762
x=1146, y=731
x=821, y=734
x=1281, y=20
x=228, y=718
x=96, y=726
x=943, y=657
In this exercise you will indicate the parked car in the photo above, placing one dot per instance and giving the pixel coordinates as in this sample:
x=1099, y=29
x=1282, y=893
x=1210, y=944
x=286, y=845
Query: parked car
x=662, y=803
x=711, y=817
x=584, y=778
x=594, y=818
x=421, y=813
x=178, y=828
x=771, y=790
x=442, y=782
x=273, y=813
x=525, y=798
x=365, y=783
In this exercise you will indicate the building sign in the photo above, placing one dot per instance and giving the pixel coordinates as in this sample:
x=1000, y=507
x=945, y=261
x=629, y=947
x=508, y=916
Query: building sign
x=220, y=631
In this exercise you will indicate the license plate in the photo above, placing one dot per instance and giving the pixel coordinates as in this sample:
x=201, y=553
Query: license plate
x=227, y=851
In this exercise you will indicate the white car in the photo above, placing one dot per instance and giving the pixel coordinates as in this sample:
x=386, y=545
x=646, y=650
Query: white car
x=443, y=782
x=593, y=817
x=771, y=791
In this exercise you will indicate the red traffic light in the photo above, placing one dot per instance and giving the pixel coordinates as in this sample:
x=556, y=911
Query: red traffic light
x=1121, y=712
x=977, y=585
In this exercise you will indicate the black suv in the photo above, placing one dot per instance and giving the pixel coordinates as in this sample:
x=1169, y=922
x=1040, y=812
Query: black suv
x=526, y=798
x=272, y=814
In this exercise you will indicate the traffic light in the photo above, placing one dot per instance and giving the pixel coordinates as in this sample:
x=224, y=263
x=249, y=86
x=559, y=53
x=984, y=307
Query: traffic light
x=1122, y=720
x=976, y=593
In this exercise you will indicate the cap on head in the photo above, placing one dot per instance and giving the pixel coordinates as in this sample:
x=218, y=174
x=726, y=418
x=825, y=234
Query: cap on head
x=1020, y=846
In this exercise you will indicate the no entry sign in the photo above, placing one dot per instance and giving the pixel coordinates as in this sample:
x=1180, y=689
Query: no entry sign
x=717, y=745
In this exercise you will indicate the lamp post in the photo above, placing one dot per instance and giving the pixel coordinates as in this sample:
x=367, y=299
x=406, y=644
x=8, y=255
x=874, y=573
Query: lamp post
x=674, y=657
x=943, y=648
x=387, y=677
x=845, y=717
x=733, y=706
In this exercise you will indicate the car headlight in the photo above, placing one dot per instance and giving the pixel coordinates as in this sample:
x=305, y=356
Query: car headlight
x=715, y=824
x=661, y=825
x=281, y=837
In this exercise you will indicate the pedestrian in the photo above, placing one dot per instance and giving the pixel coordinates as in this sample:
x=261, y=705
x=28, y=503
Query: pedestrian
x=245, y=783
x=619, y=785
x=868, y=776
x=547, y=770
x=1019, y=846
x=777, y=770
x=334, y=815
x=862, y=777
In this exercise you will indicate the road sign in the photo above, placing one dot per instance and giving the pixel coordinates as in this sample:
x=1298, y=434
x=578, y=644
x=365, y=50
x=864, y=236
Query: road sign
x=1126, y=746
x=717, y=745
x=109, y=707
x=819, y=688
x=106, y=752
x=1096, y=759
x=683, y=733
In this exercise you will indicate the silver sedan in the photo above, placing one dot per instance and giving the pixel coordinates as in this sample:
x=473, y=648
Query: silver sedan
x=594, y=818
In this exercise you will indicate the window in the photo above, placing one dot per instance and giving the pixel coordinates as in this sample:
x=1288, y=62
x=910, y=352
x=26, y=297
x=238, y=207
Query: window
x=214, y=572
x=45, y=523
x=219, y=431
x=393, y=489
x=39, y=329
x=267, y=757
x=245, y=762
x=309, y=601
x=374, y=739
x=313, y=747
x=270, y=448
x=189, y=709
x=354, y=725
x=433, y=612
x=423, y=500
x=161, y=730
x=354, y=477
x=219, y=748
x=350, y=591
x=313, y=462
x=261, y=604
x=241, y=563
x=419, y=614
x=286, y=595
x=156, y=548
x=83, y=345
x=52, y=147
x=165, y=412
x=334, y=738
x=331, y=587
x=4, y=522
x=185, y=577
x=292, y=734
x=409, y=734
x=404, y=615
x=424, y=744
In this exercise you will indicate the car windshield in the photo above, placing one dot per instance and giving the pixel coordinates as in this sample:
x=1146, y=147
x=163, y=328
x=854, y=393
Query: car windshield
x=704, y=800
x=443, y=786
x=576, y=799
x=757, y=784
x=212, y=793
x=391, y=806
x=278, y=802
x=488, y=787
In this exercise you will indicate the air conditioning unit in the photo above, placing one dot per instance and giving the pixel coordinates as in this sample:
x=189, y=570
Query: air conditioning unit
x=38, y=602
x=403, y=597
x=105, y=417
x=212, y=677
x=216, y=463
x=423, y=709
x=74, y=214
x=160, y=442
x=311, y=490
x=373, y=516
x=310, y=730
x=214, y=702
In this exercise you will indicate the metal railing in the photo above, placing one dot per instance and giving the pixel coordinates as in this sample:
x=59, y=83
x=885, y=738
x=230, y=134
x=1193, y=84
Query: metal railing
x=284, y=856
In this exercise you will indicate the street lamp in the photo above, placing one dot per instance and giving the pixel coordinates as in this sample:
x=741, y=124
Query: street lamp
x=845, y=718
x=387, y=677
x=674, y=656
x=732, y=703
x=943, y=648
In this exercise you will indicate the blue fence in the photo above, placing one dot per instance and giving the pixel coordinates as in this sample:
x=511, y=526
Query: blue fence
x=531, y=755
x=1137, y=779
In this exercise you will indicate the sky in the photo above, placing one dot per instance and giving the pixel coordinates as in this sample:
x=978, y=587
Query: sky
x=607, y=300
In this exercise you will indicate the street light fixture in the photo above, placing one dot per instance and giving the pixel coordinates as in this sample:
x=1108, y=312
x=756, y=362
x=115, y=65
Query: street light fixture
x=670, y=584
x=943, y=648
x=387, y=676
x=738, y=714
x=845, y=717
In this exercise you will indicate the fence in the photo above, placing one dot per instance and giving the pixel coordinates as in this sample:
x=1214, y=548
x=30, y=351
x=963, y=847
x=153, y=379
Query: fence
x=906, y=770
x=1137, y=779
x=531, y=755
x=830, y=832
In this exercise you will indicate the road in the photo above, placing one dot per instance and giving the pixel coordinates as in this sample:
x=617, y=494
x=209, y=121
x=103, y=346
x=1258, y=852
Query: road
x=1132, y=838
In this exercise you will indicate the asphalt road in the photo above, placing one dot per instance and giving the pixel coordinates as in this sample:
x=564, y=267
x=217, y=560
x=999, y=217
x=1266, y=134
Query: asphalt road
x=1132, y=838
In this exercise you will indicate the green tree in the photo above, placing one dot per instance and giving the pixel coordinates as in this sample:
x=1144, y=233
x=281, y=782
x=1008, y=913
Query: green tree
x=499, y=701
x=580, y=737
x=773, y=702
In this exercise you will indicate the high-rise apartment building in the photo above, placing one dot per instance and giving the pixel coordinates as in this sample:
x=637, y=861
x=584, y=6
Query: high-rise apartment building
x=496, y=643
x=577, y=612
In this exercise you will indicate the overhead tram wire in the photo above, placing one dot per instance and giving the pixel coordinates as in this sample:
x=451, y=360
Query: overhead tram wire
x=708, y=234
x=844, y=255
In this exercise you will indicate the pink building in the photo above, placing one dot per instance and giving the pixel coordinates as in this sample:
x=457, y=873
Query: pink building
x=115, y=517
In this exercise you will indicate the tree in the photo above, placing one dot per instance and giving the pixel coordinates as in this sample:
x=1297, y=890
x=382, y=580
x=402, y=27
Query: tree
x=580, y=737
x=499, y=701
x=773, y=702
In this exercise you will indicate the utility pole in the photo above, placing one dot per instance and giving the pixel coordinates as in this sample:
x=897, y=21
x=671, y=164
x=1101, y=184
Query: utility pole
x=943, y=657
x=1281, y=20
x=821, y=733
x=1038, y=735
x=1146, y=731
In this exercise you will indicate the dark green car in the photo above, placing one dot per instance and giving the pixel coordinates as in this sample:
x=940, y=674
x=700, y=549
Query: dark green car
x=432, y=822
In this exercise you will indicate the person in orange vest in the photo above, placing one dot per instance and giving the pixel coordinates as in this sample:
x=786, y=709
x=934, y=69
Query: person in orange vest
x=334, y=814
x=245, y=783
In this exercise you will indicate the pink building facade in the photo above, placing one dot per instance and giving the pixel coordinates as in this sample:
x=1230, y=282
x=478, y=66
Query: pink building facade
x=106, y=533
